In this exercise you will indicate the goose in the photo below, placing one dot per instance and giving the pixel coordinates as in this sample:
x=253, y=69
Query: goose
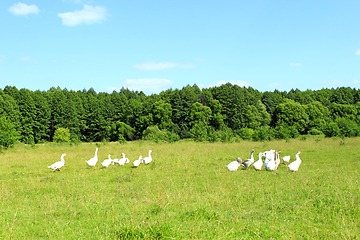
x=107, y=162
x=248, y=162
x=233, y=166
x=294, y=166
x=267, y=155
x=125, y=159
x=136, y=163
x=277, y=159
x=271, y=163
x=259, y=163
x=115, y=160
x=59, y=164
x=122, y=160
x=148, y=159
x=92, y=161
x=286, y=159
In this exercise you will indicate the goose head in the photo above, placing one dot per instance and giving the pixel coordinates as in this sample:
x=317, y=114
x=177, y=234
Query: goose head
x=238, y=159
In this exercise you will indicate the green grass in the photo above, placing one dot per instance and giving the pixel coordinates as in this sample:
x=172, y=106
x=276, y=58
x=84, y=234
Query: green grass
x=185, y=193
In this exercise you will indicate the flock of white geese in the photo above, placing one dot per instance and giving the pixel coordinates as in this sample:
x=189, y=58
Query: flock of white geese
x=106, y=163
x=271, y=162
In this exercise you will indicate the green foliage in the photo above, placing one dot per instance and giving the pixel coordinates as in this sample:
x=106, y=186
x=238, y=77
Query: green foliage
x=225, y=135
x=217, y=114
x=120, y=131
x=155, y=134
x=293, y=114
x=199, y=132
x=331, y=129
x=315, y=131
x=347, y=127
x=61, y=135
x=8, y=133
x=262, y=134
x=246, y=133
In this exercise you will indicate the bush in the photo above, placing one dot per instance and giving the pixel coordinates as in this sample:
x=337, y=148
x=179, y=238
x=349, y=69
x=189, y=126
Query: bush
x=262, y=134
x=315, y=131
x=155, y=134
x=331, y=129
x=347, y=127
x=62, y=135
x=199, y=132
x=225, y=135
x=246, y=133
x=8, y=133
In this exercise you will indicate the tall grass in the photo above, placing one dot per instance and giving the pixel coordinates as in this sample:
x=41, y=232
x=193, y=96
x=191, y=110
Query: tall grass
x=185, y=193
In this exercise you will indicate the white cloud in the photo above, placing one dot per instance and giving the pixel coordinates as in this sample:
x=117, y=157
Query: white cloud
x=147, y=85
x=2, y=58
x=23, y=9
x=333, y=82
x=355, y=81
x=26, y=58
x=274, y=85
x=295, y=64
x=150, y=66
x=239, y=83
x=88, y=15
x=358, y=52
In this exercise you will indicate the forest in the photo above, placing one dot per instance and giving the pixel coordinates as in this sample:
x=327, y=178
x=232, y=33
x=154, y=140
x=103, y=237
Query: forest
x=223, y=113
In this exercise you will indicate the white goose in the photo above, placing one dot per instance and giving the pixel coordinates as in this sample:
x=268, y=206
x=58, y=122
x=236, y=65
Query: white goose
x=107, y=162
x=234, y=165
x=92, y=161
x=294, y=166
x=123, y=160
x=286, y=159
x=248, y=162
x=277, y=159
x=259, y=163
x=267, y=155
x=271, y=163
x=148, y=159
x=59, y=164
x=136, y=163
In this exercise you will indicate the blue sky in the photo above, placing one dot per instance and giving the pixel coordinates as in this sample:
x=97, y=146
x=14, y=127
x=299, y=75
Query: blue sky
x=154, y=45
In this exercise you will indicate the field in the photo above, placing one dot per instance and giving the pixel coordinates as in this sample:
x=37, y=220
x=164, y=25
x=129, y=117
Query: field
x=185, y=193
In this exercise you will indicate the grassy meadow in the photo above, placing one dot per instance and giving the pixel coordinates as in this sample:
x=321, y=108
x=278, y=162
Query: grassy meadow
x=185, y=193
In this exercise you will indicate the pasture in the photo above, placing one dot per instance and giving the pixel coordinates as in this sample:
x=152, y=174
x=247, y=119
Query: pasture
x=185, y=193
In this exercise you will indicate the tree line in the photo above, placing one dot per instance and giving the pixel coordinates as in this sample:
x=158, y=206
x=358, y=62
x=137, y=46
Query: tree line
x=223, y=113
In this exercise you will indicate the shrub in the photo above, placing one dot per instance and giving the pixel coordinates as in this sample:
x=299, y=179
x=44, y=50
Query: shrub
x=347, y=127
x=155, y=134
x=315, y=131
x=62, y=135
x=246, y=133
x=262, y=134
x=331, y=129
x=199, y=132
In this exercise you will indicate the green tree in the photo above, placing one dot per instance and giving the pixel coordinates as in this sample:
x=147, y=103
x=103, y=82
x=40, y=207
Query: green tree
x=119, y=131
x=318, y=115
x=42, y=117
x=291, y=114
x=8, y=133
